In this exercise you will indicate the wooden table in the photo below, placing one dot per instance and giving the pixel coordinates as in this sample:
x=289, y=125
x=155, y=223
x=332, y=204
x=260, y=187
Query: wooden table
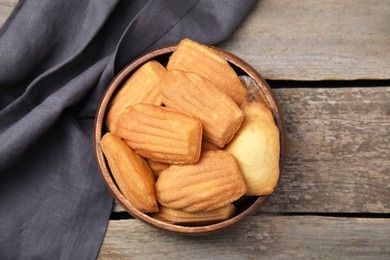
x=328, y=63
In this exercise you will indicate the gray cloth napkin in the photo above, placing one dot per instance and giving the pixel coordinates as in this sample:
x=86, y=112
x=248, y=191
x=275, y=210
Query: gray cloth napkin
x=56, y=59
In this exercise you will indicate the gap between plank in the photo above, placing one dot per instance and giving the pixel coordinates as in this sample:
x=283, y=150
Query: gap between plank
x=327, y=83
x=330, y=214
x=120, y=215
x=125, y=215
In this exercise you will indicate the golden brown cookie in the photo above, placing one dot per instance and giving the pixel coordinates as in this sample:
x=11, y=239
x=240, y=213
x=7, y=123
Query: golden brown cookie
x=256, y=148
x=175, y=216
x=141, y=87
x=207, y=146
x=161, y=134
x=194, y=95
x=207, y=62
x=157, y=167
x=131, y=173
x=213, y=182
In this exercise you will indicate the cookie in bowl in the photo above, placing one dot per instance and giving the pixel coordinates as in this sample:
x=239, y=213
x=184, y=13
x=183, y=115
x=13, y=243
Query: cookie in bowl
x=194, y=138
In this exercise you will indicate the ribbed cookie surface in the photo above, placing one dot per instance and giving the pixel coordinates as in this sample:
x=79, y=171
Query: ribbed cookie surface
x=131, y=173
x=213, y=182
x=194, y=95
x=141, y=87
x=161, y=134
x=203, y=60
x=195, y=218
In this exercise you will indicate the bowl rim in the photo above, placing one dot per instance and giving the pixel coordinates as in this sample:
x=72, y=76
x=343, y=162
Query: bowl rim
x=105, y=172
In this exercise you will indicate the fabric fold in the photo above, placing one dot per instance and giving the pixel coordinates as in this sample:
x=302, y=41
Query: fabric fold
x=152, y=22
x=56, y=60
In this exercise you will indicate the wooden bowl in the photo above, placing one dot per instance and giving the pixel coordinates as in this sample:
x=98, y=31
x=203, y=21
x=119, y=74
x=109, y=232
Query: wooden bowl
x=246, y=205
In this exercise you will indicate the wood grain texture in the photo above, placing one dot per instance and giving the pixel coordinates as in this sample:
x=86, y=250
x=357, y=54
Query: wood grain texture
x=338, y=150
x=6, y=7
x=316, y=40
x=275, y=237
x=309, y=40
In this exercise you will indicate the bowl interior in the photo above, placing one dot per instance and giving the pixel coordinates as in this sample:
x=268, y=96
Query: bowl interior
x=247, y=205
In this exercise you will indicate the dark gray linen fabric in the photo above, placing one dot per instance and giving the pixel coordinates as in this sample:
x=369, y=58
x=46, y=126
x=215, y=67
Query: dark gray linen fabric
x=56, y=59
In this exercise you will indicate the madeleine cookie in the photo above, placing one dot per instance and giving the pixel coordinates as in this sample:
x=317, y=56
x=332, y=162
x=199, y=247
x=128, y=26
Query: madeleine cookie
x=141, y=87
x=157, y=167
x=175, y=216
x=161, y=134
x=131, y=173
x=195, y=96
x=213, y=182
x=207, y=62
x=207, y=146
x=256, y=148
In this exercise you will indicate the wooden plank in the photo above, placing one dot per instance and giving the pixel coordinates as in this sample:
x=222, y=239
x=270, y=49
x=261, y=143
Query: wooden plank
x=338, y=150
x=6, y=7
x=275, y=237
x=309, y=40
x=316, y=40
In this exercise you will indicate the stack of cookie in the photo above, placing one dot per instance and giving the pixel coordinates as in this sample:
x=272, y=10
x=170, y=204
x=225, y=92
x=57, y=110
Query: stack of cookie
x=184, y=144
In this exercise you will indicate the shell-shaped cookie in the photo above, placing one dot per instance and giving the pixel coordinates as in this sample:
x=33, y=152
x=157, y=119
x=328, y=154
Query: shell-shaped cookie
x=131, y=173
x=194, y=57
x=141, y=87
x=213, y=182
x=256, y=148
x=157, y=167
x=161, y=134
x=175, y=216
x=196, y=96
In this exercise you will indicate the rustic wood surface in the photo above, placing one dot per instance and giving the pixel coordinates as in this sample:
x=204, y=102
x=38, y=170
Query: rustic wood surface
x=316, y=40
x=6, y=7
x=259, y=237
x=333, y=198
x=309, y=40
x=338, y=150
